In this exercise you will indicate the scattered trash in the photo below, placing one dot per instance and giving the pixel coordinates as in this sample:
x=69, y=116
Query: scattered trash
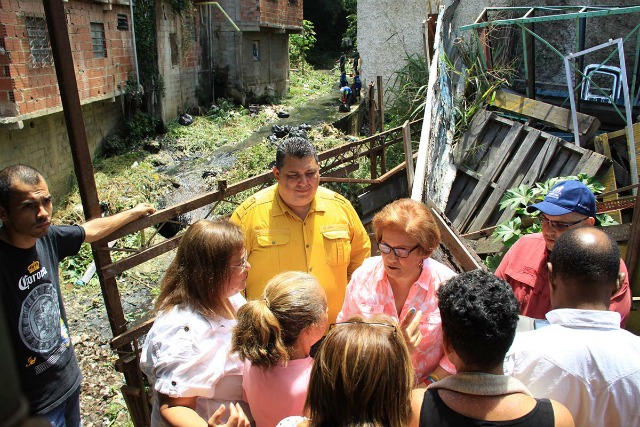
x=173, y=226
x=254, y=109
x=209, y=173
x=280, y=131
x=185, y=119
x=152, y=146
x=283, y=114
x=297, y=133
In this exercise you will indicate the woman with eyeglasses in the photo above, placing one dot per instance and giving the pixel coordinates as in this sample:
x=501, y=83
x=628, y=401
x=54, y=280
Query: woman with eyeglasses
x=402, y=283
x=274, y=336
x=361, y=376
x=196, y=379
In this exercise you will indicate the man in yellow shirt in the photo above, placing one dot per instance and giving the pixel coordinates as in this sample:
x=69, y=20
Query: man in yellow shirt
x=297, y=225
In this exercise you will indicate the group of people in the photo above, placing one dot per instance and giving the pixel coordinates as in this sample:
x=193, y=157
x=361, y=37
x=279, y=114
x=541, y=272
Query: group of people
x=350, y=92
x=279, y=316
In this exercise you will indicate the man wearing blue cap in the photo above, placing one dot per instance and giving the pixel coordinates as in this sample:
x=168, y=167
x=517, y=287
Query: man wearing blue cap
x=569, y=205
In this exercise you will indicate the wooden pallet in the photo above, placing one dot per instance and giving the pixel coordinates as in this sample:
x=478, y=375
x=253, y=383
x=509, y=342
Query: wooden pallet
x=498, y=154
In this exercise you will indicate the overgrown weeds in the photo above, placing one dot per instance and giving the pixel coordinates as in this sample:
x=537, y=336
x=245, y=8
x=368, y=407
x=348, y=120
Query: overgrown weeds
x=408, y=90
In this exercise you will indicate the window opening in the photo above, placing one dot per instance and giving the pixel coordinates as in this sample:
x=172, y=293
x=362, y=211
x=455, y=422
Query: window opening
x=98, y=41
x=123, y=22
x=39, y=45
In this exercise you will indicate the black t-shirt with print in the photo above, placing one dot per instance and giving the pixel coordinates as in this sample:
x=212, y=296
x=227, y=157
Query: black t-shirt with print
x=36, y=319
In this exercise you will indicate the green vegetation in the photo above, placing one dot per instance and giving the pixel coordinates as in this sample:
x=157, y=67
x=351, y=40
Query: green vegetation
x=409, y=91
x=351, y=9
x=299, y=44
x=144, y=15
x=519, y=198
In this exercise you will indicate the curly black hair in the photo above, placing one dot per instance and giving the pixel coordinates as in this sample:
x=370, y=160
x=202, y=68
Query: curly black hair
x=479, y=317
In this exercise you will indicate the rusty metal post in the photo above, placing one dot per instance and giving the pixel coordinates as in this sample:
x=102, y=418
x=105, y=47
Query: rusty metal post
x=372, y=111
x=485, y=43
x=408, y=152
x=383, y=161
x=380, y=104
x=633, y=248
x=373, y=164
x=65, y=71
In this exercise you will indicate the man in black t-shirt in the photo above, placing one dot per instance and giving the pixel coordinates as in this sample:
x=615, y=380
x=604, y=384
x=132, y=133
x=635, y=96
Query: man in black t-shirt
x=30, y=249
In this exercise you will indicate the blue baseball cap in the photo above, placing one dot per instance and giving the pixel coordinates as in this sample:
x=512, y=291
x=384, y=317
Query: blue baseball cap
x=566, y=197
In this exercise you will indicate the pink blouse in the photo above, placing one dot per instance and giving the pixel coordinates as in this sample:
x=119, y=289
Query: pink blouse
x=369, y=293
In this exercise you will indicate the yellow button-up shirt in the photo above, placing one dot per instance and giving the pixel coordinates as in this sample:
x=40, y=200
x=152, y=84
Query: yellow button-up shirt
x=329, y=243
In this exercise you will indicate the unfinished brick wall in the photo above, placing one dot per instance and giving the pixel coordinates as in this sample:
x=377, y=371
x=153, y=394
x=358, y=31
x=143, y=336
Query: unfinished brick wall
x=28, y=84
x=272, y=13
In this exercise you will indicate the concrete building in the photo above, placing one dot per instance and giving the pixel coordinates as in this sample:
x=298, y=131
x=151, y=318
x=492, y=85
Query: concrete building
x=253, y=60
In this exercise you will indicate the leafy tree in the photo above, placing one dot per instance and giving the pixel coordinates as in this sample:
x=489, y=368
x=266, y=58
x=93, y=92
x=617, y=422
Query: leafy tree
x=299, y=44
x=351, y=9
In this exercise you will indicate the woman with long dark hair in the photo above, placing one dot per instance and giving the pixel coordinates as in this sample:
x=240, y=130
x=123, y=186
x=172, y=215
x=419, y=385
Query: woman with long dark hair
x=196, y=379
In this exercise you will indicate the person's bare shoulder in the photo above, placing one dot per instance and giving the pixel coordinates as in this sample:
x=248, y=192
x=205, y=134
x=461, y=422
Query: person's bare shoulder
x=417, y=396
x=561, y=414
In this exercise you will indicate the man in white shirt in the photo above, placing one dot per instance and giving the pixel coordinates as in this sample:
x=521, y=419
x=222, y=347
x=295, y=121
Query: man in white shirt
x=582, y=359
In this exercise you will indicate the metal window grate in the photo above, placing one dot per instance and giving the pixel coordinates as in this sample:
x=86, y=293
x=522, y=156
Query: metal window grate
x=38, y=41
x=123, y=22
x=7, y=71
x=98, y=41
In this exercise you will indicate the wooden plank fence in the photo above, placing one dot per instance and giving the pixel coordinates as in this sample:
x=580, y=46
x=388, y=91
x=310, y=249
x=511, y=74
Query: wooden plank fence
x=498, y=154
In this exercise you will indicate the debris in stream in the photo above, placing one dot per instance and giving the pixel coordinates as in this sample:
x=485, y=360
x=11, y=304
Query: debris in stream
x=283, y=114
x=173, y=226
x=185, y=119
x=282, y=131
x=152, y=146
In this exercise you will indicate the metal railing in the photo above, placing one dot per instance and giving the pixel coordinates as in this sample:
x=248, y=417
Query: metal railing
x=335, y=165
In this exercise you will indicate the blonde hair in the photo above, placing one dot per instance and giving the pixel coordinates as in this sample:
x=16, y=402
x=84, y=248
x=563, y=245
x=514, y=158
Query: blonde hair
x=200, y=272
x=268, y=327
x=362, y=375
x=411, y=217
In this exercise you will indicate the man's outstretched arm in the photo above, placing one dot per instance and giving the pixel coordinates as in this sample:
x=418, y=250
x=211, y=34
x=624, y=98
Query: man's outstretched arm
x=98, y=228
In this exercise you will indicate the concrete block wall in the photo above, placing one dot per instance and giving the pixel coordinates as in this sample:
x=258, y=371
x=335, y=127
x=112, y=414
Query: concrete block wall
x=31, y=90
x=268, y=22
x=270, y=73
x=388, y=31
x=179, y=32
x=44, y=144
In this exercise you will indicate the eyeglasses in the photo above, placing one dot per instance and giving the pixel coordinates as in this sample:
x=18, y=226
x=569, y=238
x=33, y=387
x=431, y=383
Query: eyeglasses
x=561, y=225
x=243, y=265
x=399, y=252
x=334, y=325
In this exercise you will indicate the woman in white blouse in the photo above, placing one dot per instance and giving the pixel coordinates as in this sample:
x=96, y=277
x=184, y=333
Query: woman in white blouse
x=196, y=379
